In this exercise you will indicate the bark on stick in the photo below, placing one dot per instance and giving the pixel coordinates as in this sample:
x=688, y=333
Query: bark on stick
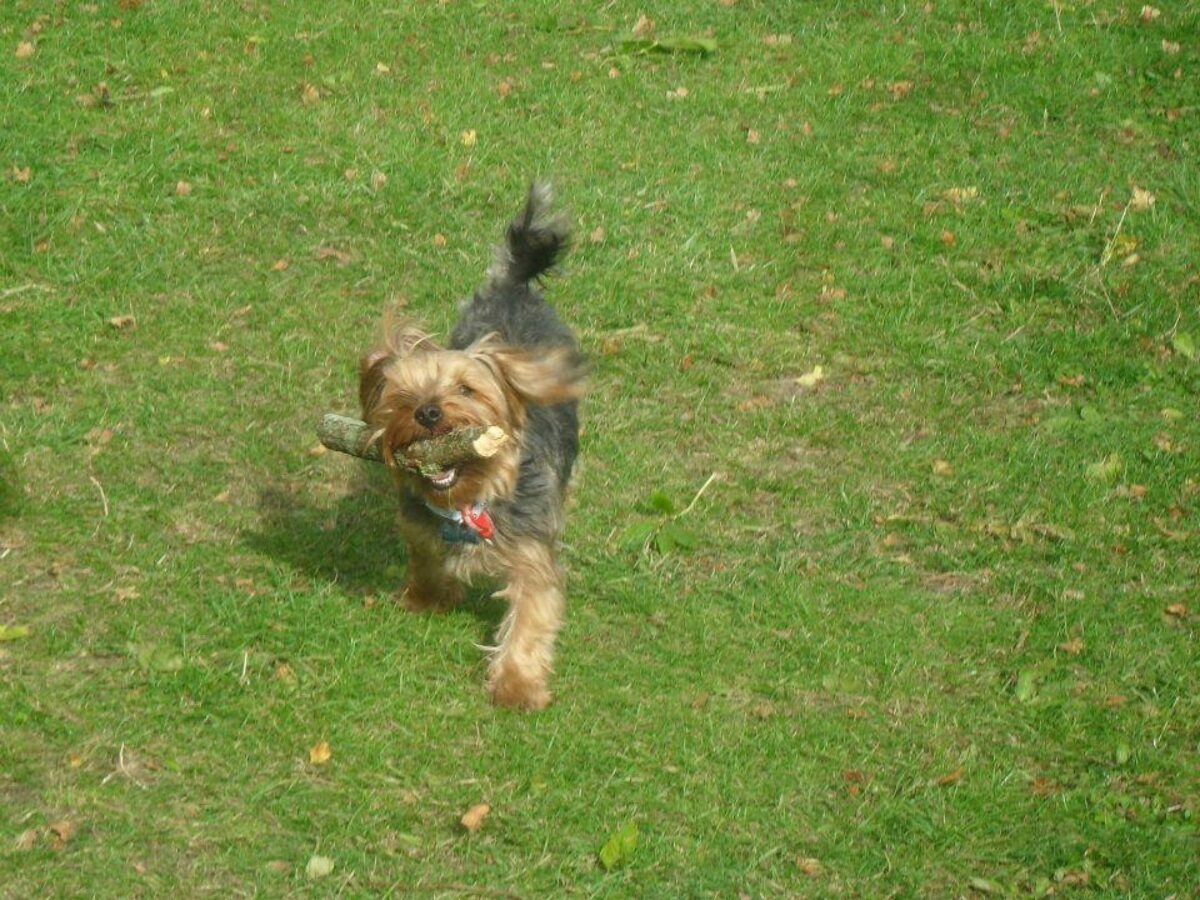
x=357, y=438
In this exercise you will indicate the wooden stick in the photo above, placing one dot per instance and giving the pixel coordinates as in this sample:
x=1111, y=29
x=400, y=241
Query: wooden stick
x=429, y=457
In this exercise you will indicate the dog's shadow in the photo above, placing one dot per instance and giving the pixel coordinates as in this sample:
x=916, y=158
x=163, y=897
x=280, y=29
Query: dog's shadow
x=354, y=542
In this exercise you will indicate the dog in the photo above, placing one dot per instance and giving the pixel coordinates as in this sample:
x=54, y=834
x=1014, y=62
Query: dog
x=511, y=362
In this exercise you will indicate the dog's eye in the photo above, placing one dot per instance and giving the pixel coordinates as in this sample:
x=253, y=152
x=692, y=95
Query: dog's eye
x=465, y=390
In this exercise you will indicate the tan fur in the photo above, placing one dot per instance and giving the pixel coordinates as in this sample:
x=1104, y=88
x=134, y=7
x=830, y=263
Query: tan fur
x=486, y=384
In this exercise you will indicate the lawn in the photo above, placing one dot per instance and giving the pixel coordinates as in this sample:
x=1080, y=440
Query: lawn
x=884, y=547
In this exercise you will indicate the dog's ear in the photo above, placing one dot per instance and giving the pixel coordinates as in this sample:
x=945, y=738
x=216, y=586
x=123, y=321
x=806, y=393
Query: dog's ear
x=371, y=379
x=536, y=375
x=402, y=337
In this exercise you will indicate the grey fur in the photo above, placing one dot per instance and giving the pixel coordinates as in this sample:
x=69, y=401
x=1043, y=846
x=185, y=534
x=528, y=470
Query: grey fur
x=510, y=307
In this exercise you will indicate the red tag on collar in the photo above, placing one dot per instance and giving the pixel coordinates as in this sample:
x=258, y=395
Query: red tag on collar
x=479, y=522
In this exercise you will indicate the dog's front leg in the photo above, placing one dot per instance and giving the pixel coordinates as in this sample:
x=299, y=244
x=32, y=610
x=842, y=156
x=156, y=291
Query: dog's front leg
x=429, y=586
x=522, y=662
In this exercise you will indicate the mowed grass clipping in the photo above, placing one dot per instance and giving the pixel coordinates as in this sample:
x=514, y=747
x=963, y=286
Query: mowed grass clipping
x=920, y=621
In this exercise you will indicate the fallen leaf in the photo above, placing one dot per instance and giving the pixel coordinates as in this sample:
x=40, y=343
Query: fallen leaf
x=1072, y=647
x=505, y=87
x=61, y=832
x=309, y=94
x=619, y=848
x=1044, y=787
x=1107, y=470
x=280, y=265
x=122, y=321
x=942, y=468
x=1170, y=47
x=812, y=378
x=598, y=235
x=279, y=866
x=468, y=138
x=21, y=176
x=13, y=632
x=752, y=136
x=472, y=819
x=809, y=866
x=1026, y=687
x=1177, y=611
x=25, y=49
x=439, y=240
x=957, y=195
x=382, y=68
x=1141, y=200
x=318, y=867
x=900, y=89
x=1183, y=344
x=320, y=753
x=378, y=180
x=948, y=238
x=342, y=257
x=1150, y=13
x=183, y=189
x=950, y=778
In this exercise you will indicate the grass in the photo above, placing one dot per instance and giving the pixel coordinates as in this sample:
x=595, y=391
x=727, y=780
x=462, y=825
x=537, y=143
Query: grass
x=937, y=634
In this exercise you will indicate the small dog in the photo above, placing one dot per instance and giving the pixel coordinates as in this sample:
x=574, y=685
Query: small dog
x=510, y=362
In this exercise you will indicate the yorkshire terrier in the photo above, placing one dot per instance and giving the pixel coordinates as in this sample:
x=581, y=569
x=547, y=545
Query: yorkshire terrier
x=510, y=362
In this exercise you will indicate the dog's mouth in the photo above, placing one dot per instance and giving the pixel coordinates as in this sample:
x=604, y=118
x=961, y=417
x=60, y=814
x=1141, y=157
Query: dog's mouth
x=445, y=479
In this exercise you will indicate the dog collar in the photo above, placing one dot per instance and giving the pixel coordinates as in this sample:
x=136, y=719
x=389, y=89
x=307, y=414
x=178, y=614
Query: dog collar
x=470, y=525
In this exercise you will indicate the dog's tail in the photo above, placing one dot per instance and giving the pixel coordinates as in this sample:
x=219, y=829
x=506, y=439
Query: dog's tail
x=533, y=243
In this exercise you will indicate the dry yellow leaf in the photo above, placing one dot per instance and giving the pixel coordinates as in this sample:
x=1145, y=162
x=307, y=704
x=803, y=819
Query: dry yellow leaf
x=472, y=819
x=752, y=136
x=942, y=468
x=25, y=49
x=813, y=378
x=320, y=753
x=183, y=189
x=468, y=137
x=122, y=321
x=1141, y=200
x=809, y=866
x=61, y=832
x=958, y=195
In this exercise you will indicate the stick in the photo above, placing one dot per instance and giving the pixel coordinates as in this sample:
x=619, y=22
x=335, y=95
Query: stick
x=356, y=438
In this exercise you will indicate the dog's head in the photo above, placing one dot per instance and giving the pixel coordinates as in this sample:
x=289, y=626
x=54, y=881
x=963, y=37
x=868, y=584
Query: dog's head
x=411, y=389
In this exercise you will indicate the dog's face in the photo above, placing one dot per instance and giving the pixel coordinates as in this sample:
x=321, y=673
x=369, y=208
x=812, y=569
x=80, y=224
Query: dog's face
x=412, y=390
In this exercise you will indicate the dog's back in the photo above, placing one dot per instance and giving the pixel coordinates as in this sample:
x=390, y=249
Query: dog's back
x=512, y=308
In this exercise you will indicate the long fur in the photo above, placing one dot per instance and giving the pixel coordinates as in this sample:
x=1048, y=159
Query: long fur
x=510, y=361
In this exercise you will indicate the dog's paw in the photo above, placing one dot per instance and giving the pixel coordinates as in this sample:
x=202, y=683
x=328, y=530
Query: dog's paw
x=419, y=599
x=516, y=690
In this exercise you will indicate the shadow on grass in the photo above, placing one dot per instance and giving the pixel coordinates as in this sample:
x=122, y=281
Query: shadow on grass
x=354, y=543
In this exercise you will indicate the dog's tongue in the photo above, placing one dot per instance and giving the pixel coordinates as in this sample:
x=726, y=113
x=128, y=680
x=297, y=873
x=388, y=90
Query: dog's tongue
x=444, y=478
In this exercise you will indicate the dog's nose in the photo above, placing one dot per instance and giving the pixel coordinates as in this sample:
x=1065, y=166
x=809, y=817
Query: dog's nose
x=428, y=415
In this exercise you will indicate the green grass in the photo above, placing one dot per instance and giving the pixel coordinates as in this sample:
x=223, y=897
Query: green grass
x=916, y=641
